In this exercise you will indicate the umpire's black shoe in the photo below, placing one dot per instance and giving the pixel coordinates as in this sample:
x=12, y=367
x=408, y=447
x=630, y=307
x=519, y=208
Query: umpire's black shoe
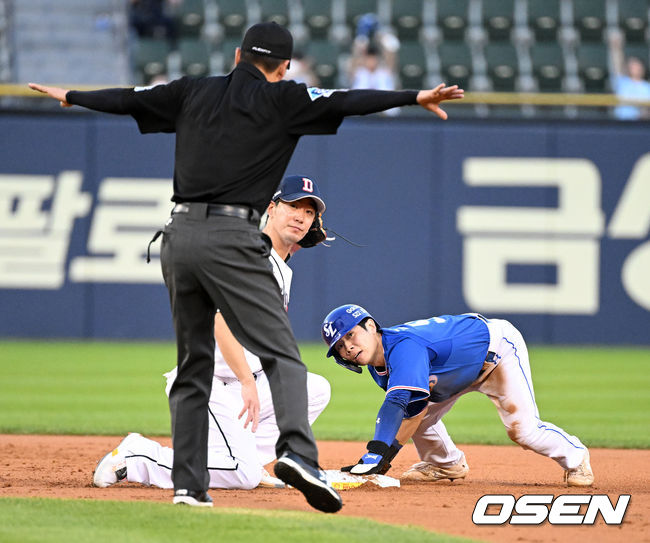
x=196, y=498
x=294, y=471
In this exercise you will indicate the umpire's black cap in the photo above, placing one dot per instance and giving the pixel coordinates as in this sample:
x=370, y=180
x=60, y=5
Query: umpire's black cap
x=268, y=39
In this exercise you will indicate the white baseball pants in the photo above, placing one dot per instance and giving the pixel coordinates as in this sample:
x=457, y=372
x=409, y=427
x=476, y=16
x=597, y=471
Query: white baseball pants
x=510, y=387
x=434, y=445
x=236, y=455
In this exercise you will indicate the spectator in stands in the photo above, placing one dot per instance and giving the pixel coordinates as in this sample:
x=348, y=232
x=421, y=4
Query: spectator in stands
x=629, y=81
x=301, y=70
x=373, y=61
x=150, y=19
x=370, y=71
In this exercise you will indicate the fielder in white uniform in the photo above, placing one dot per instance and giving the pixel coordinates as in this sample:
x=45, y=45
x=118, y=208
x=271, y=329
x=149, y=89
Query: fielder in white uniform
x=237, y=454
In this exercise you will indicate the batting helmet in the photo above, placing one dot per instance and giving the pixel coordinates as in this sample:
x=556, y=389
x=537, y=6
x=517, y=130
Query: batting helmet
x=338, y=323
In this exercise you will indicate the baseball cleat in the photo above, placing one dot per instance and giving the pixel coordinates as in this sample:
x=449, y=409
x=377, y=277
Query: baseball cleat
x=312, y=482
x=426, y=471
x=582, y=475
x=111, y=468
x=194, y=498
x=268, y=481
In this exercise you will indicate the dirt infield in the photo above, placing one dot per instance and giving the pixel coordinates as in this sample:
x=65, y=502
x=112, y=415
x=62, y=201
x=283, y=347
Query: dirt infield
x=61, y=466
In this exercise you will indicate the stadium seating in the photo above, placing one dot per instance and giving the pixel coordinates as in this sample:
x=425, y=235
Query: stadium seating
x=275, y=10
x=150, y=57
x=190, y=17
x=456, y=65
x=233, y=16
x=195, y=57
x=412, y=62
x=504, y=45
x=548, y=66
x=406, y=18
x=593, y=66
x=502, y=65
x=452, y=17
x=317, y=15
x=633, y=19
x=228, y=52
x=498, y=19
x=590, y=19
x=325, y=55
x=544, y=18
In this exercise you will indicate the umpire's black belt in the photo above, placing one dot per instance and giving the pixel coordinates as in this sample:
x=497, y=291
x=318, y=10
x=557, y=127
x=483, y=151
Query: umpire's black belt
x=226, y=210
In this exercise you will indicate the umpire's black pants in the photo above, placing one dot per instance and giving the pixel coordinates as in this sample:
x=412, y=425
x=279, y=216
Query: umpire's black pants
x=216, y=262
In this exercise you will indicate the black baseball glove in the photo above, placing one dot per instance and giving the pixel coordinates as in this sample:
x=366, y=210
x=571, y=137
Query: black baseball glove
x=315, y=235
x=377, y=460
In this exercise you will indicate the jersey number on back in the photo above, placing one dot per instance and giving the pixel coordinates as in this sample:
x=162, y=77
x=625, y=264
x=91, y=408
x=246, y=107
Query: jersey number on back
x=424, y=322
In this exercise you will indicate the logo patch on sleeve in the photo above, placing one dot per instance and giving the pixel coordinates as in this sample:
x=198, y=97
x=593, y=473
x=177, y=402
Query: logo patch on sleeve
x=315, y=93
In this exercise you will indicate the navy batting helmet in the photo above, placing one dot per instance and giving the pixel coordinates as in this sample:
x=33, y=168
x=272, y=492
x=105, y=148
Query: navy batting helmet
x=339, y=322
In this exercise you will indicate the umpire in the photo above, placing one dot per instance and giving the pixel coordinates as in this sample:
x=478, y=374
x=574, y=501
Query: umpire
x=235, y=135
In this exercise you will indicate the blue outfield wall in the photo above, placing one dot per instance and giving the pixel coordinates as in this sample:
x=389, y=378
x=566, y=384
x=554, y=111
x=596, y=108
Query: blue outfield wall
x=545, y=224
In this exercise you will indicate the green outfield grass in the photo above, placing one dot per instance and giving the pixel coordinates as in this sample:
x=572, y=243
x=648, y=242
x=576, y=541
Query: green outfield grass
x=53, y=521
x=599, y=394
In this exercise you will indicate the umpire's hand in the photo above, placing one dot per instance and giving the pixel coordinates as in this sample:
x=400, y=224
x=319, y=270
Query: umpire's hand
x=53, y=92
x=429, y=99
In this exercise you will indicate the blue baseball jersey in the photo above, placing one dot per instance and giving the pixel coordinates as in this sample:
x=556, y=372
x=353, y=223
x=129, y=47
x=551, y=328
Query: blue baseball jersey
x=432, y=358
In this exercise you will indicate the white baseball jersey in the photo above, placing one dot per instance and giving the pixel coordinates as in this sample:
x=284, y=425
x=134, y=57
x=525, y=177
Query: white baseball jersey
x=283, y=275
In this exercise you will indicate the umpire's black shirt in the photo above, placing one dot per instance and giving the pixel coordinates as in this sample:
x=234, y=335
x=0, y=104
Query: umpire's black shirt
x=235, y=134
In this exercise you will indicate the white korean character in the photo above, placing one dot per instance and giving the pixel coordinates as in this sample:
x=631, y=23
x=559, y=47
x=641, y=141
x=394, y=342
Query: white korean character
x=128, y=213
x=35, y=238
x=631, y=220
x=565, y=237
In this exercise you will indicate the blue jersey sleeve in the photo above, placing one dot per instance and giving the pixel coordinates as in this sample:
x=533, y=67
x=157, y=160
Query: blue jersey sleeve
x=408, y=369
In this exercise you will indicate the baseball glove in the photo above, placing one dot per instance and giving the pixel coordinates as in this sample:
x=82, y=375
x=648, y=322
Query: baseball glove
x=315, y=235
x=385, y=454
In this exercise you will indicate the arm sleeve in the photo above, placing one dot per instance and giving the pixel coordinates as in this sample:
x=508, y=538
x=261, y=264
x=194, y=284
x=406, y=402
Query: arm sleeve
x=365, y=101
x=390, y=415
x=321, y=111
x=155, y=109
x=105, y=100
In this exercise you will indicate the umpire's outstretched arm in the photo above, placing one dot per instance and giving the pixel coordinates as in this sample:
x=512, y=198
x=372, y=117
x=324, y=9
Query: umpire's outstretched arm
x=353, y=102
